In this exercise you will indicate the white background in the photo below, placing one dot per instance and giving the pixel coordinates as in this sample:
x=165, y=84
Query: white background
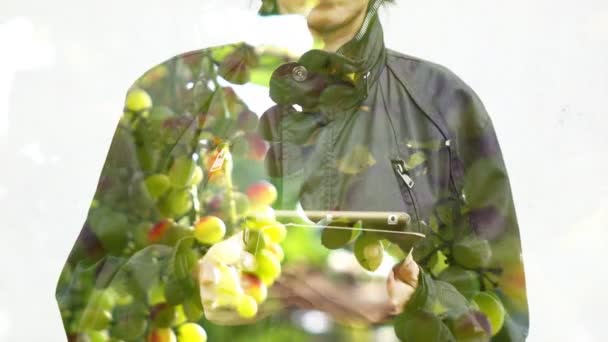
x=541, y=68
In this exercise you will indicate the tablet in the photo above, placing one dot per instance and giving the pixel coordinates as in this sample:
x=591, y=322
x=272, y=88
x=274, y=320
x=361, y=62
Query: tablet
x=394, y=226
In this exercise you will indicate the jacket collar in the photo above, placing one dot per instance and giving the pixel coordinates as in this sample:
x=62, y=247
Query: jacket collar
x=334, y=82
x=366, y=49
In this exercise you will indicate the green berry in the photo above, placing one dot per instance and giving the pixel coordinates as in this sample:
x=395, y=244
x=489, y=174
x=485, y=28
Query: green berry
x=138, y=100
x=247, y=307
x=191, y=332
x=369, y=251
x=209, y=230
x=491, y=306
x=157, y=185
x=182, y=171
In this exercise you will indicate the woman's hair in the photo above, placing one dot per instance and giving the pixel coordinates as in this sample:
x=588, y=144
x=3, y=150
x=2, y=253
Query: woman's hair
x=271, y=7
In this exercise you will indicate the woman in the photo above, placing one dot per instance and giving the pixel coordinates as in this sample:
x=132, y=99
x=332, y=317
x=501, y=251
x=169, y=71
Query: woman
x=357, y=128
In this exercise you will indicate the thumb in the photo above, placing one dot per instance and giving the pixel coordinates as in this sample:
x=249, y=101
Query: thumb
x=402, y=283
x=407, y=271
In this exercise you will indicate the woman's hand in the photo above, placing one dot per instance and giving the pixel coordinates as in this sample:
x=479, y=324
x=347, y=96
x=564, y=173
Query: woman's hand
x=402, y=283
x=222, y=284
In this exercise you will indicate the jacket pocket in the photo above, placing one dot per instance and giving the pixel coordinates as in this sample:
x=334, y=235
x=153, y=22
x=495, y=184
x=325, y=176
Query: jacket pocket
x=423, y=171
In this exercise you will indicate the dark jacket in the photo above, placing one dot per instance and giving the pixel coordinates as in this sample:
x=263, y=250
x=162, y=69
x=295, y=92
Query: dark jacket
x=363, y=129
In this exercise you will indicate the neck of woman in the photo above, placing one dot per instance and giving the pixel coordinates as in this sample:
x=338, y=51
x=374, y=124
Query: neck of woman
x=336, y=37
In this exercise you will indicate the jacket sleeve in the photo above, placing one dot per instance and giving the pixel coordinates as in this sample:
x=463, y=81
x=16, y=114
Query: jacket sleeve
x=490, y=212
x=485, y=238
x=114, y=246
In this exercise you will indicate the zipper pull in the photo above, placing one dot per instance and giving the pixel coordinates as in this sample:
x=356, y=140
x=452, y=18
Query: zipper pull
x=399, y=166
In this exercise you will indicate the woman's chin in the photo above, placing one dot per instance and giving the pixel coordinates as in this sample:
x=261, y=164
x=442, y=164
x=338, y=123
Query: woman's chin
x=323, y=20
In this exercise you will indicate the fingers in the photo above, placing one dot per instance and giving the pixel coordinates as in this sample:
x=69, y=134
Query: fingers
x=407, y=271
x=219, y=280
x=402, y=283
x=399, y=293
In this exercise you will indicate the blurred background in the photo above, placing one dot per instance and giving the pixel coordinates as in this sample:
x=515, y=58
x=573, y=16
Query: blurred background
x=540, y=67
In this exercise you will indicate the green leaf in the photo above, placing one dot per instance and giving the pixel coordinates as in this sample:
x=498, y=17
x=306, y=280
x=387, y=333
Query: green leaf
x=467, y=282
x=111, y=229
x=472, y=252
x=335, y=238
x=339, y=234
x=438, y=262
x=423, y=292
x=220, y=52
x=369, y=251
x=445, y=214
x=394, y=250
x=486, y=183
x=511, y=331
x=267, y=64
x=142, y=270
x=261, y=76
x=183, y=259
x=234, y=70
x=433, y=144
x=426, y=246
x=450, y=299
x=180, y=283
x=433, y=223
x=415, y=160
x=421, y=326
x=357, y=160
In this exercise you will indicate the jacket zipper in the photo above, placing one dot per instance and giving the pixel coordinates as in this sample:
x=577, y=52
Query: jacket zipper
x=400, y=169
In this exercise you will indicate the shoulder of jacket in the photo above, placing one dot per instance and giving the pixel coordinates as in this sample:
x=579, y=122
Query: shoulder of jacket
x=156, y=74
x=435, y=88
x=424, y=74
